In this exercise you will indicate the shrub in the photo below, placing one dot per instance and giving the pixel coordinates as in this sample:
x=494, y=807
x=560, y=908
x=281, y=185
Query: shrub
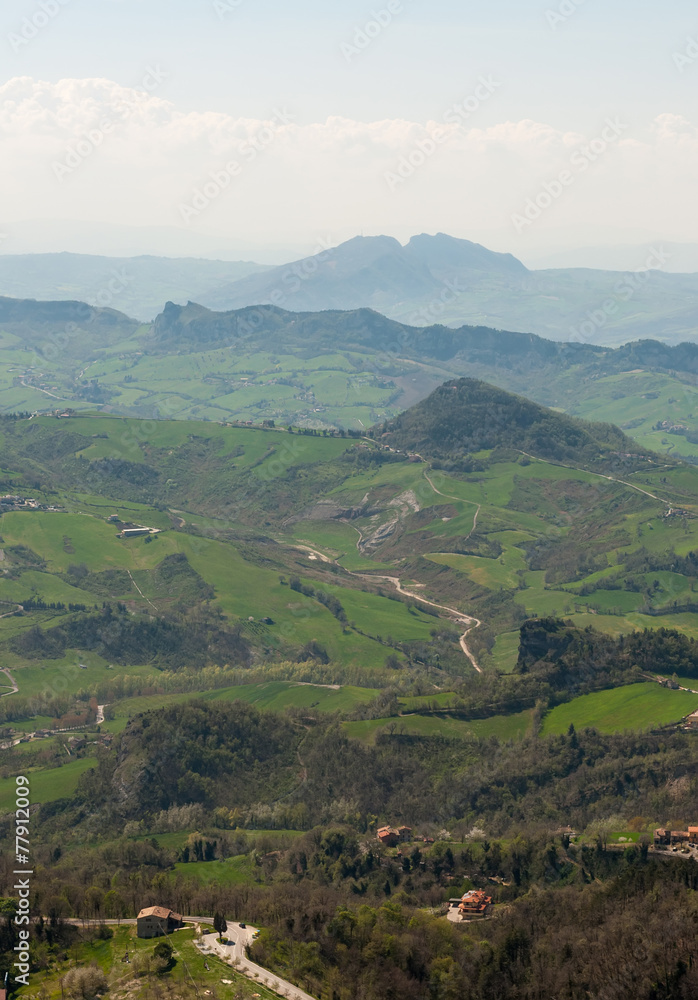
x=85, y=983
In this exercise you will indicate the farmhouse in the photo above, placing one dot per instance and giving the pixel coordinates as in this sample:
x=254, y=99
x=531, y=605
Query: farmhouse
x=155, y=921
x=664, y=837
x=391, y=837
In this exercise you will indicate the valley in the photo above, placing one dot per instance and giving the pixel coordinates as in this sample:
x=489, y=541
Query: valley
x=442, y=618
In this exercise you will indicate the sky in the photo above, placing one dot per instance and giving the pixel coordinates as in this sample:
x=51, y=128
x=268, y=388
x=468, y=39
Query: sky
x=526, y=126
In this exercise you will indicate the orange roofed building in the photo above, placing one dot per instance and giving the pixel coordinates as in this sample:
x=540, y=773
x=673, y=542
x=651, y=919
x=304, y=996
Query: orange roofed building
x=475, y=903
x=390, y=837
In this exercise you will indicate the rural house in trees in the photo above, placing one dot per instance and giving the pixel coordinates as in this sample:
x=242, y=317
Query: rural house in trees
x=390, y=837
x=155, y=921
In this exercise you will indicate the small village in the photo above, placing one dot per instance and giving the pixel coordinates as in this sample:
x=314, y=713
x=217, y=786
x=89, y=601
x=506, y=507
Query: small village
x=681, y=841
x=13, y=501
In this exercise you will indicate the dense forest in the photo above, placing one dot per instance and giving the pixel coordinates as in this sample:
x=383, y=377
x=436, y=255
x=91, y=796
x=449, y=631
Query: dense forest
x=337, y=907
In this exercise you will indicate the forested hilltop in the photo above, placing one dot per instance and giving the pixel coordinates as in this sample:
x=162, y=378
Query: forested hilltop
x=466, y=416
x=234, y=653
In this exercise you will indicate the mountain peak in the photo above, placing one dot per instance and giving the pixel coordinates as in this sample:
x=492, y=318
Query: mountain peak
x=448, y=253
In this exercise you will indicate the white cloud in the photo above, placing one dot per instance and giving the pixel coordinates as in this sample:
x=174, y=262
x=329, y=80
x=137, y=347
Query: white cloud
x=311, y=179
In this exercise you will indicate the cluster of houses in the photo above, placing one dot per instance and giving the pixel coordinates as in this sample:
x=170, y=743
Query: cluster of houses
x=473, y=905
x=73, y=744
x=674, y=838
x=12, y=501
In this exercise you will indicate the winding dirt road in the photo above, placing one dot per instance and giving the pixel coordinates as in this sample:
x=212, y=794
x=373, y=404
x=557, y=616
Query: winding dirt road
x=460, y=500
x=17, y=607
x=600, y=475
x=140, y=591
x=13, y=682
x=458, y=616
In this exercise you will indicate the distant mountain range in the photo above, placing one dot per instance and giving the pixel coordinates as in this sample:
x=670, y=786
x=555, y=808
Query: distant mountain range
x=431, y=280
x=137, y=286
x=680, y=258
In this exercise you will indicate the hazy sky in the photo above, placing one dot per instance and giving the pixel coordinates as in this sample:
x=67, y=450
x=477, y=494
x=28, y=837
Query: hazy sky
x=521, y=124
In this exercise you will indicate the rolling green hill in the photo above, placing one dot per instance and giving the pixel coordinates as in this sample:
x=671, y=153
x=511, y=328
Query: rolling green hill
x=349, y=557
x=467, y=416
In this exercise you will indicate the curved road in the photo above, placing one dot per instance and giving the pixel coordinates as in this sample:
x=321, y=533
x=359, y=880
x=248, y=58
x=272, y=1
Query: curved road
x=600, y=475
x=459, y=616
x=13, y=682
x=233, y=951
x=460, y=500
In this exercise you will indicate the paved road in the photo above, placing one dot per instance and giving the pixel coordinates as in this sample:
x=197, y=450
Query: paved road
x=234, y=952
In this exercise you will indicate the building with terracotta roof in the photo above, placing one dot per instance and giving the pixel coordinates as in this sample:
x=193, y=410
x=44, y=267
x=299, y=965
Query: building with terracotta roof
x=155, y=921
x=664, y=837
x=391, y=837
x=473, y=904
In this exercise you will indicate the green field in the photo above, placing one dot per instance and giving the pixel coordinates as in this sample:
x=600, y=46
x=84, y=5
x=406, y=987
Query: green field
x=46, y=786
x=504, y=727
x=278, y=695
x=233, y=871
x=636, y=707
x=273, y=696
x=506, y=651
